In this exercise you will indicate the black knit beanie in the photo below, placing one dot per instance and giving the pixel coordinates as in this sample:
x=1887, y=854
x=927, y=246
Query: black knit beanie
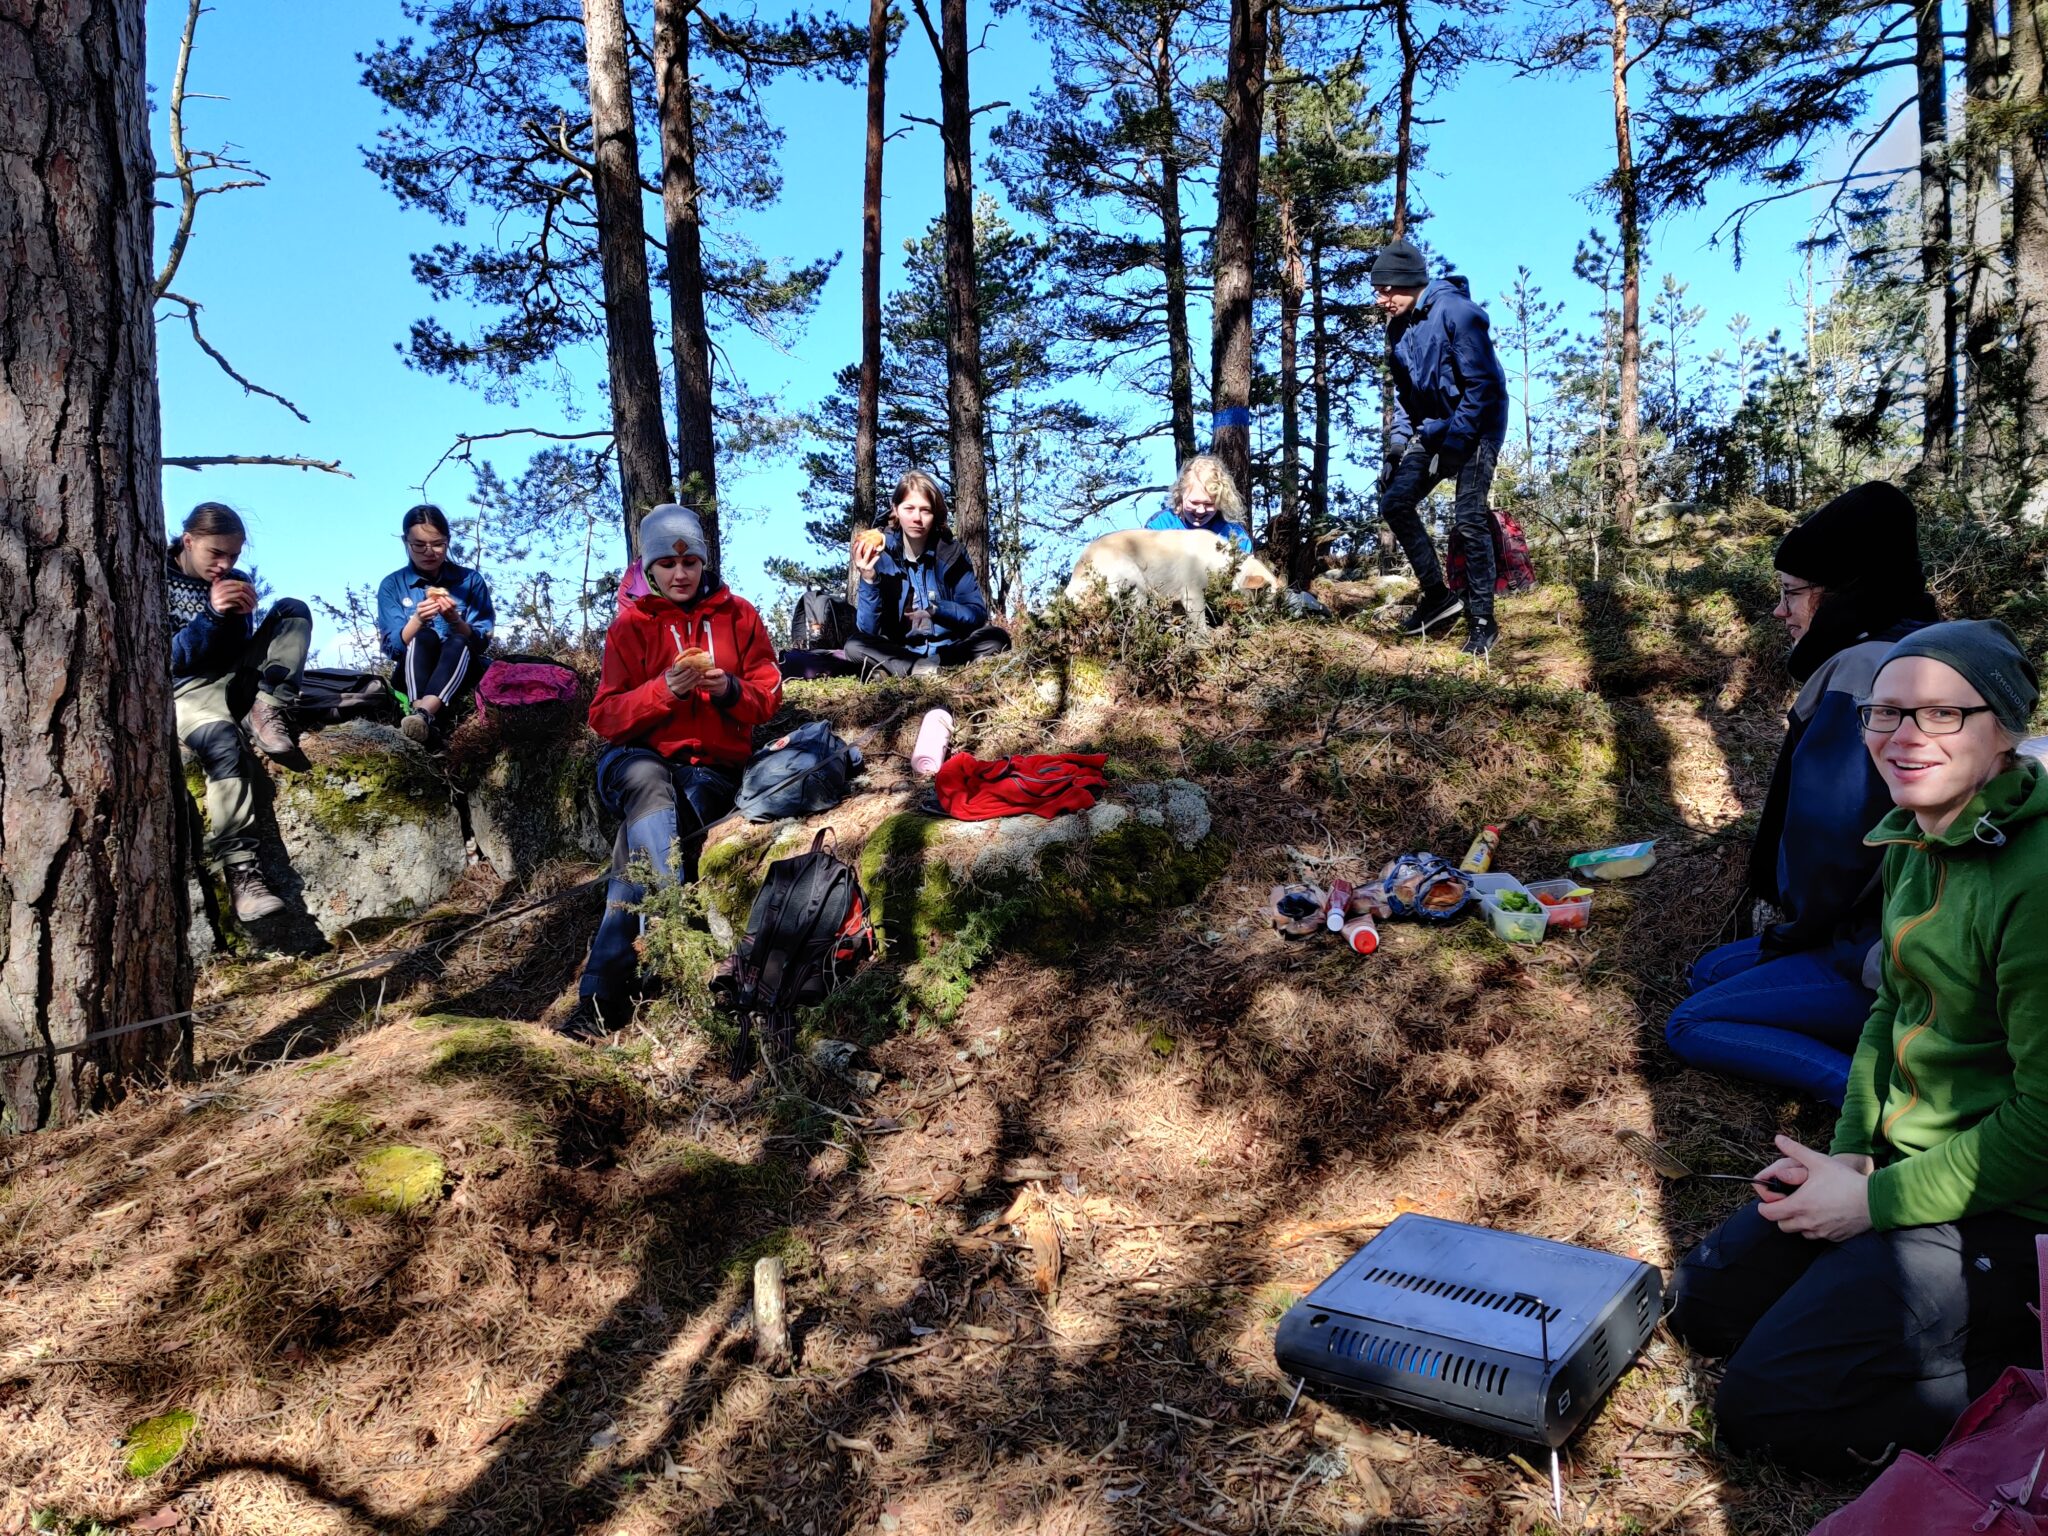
x=1868, y=535
x=1989, y=658
x=1399, y=265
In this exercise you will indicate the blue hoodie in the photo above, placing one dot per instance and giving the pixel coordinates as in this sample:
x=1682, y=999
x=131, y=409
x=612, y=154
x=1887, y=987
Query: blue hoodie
x=942, y=583
x=1168, y=520
x=400, y=592
x=1449, y=391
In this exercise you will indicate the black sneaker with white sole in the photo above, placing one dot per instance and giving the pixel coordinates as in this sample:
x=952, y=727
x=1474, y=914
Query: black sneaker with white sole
x=1432, y=611
x=1480, y=642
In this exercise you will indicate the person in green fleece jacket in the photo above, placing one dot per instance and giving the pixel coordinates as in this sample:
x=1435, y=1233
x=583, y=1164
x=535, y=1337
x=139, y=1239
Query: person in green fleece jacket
x=1865, y=1309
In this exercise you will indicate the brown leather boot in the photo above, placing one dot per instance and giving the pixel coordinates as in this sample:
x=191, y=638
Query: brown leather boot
x=250, y=894
x=267, y=728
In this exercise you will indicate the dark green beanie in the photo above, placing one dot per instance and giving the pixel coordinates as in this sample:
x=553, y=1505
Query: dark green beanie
x=1988, y=656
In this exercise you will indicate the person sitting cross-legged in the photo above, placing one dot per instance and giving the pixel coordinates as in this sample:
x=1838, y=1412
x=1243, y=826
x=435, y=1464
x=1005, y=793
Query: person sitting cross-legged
x=1863, y=1311
x=920, y=607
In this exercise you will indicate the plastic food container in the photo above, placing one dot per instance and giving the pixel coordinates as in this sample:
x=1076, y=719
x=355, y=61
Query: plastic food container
x=1566, y=916
x=1515, y=927
x=1492, y=885
x=1617, y=863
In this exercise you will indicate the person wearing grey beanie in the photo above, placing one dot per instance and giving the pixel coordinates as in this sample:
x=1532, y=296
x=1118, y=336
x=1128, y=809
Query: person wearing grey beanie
x=1450, y=418
x=689, y=672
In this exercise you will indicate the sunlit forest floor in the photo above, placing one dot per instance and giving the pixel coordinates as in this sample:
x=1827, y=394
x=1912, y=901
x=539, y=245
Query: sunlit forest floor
x=539, y=1323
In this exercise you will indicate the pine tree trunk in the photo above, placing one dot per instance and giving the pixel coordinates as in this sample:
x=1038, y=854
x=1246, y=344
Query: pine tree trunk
x=2030, y=234
x=868, y=409
x=1285, y=532
x=1938, y=338
x=1180, y=356
x=91, y=870
x=1627, y=489
x=963, y=304
x=1237, y=213
x=696, y=449
x=1983, y=85
x=1404, y=128
x=637, y=417
x=1319, y=388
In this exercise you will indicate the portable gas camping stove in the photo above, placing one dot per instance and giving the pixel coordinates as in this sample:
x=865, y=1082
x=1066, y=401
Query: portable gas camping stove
x=1515, y=1334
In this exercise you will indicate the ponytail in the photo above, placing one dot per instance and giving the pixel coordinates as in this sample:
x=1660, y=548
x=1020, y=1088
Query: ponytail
x=216, y=519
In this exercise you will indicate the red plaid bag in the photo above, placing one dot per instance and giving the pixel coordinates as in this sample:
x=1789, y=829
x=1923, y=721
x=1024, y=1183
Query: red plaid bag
x=1512, y=569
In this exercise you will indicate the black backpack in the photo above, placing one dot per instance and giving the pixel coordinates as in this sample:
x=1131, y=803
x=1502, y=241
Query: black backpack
x=800, y=774
x=808, y=931
x=330, y=695
x=821, y=622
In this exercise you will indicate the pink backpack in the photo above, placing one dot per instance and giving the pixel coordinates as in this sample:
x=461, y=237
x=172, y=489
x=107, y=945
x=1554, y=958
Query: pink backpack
x=525, y=682
x=1989, y=1475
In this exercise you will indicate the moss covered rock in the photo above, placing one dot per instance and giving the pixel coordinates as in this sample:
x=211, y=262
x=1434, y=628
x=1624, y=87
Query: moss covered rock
x=533, y=801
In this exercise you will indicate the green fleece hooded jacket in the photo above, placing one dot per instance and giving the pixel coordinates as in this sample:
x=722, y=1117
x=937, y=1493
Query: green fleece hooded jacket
x=1948, y=1089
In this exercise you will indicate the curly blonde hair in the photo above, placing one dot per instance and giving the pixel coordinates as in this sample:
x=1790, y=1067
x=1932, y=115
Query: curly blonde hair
x=1215, y=479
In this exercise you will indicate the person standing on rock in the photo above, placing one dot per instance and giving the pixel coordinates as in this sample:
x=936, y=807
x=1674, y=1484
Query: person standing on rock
x=227, y=669
x=1786, y=1006
x=1450, y=418
x=435, y=619
x=689, y=671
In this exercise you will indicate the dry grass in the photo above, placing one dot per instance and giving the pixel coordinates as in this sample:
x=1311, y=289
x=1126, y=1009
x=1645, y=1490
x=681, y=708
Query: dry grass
x=1203, y=1119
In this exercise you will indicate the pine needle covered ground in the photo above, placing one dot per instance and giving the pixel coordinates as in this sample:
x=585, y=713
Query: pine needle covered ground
x=404, y=1261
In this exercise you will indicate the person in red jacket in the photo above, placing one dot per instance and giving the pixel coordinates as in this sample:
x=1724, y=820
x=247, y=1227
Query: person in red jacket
x=688, y=673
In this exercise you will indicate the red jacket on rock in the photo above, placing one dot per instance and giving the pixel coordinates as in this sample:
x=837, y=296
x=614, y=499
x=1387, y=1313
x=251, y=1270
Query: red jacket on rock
x=634, y=707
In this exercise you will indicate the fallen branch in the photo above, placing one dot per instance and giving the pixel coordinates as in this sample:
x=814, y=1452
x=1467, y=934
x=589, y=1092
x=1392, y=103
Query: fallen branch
x=271, y=460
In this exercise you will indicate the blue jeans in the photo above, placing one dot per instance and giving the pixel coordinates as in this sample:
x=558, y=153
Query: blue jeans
x=656, y=801
x=1792, y=1021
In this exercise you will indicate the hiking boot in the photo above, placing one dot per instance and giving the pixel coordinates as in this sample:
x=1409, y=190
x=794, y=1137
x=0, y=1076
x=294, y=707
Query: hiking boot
x=596, y=1017
x=418, y=728
x=250, y=894
x=1431, y=610
x=1480, y=641
x=267, y=728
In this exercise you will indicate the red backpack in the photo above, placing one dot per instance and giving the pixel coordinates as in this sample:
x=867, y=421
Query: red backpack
x=524, y=682
x=1988, y=1477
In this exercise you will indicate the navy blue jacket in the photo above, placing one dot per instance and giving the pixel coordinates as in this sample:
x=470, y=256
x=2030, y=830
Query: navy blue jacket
x=400, y=592
x=203, y=643
x=943, y=583
x=1825, y=796
x=1450, y=394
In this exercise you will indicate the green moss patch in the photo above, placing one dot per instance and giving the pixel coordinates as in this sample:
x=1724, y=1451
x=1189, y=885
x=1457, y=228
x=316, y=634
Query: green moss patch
x=400, y=1179
x=357, y=792
x=155, y=1443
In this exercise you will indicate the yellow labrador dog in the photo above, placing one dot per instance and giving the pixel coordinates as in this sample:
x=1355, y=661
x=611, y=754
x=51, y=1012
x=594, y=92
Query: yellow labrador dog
x=1171, y=565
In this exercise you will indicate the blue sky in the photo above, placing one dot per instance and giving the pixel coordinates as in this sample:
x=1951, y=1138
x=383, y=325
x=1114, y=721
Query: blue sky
x=307, y=288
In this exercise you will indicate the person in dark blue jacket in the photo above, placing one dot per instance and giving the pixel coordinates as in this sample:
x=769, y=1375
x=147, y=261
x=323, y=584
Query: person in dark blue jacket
x=227, y=668
x=920, y=607
x=435, y=619
x=1205, y=500
x=1450, y=417
x=1788, y=1005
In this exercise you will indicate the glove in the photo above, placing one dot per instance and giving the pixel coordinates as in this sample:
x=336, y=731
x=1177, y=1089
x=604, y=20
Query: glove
x=1445, y=464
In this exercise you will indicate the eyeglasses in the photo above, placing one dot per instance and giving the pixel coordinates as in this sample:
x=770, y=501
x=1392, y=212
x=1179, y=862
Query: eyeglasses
x=1932, y=719
x=1788, y=592
x=427, y=546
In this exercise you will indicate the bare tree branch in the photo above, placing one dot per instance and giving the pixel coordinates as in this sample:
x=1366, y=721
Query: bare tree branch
x=226, y=367
x=274, y=461
x=181, y=162
x=465, y=441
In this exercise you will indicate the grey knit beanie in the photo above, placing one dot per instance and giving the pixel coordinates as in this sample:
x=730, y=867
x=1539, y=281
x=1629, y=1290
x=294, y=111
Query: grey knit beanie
x=1988, y=656
x=1399, y=265
x=671, y=530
